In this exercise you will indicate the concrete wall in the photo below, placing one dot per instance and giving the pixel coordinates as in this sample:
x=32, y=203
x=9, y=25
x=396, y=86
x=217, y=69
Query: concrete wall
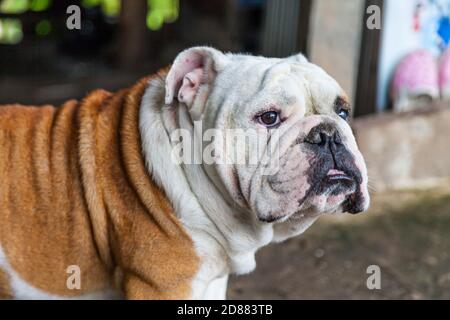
x=406, y=151
x=335, y=37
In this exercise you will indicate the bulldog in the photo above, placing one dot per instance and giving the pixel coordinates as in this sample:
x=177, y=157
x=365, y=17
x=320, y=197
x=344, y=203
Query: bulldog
x=94, y=205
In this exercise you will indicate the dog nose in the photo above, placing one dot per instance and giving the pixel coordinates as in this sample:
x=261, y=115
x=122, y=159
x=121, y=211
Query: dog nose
x=324, y=135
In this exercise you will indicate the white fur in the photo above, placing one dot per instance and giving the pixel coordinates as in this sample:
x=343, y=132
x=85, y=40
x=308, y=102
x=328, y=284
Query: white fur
x=217, y=289
x=225, y=229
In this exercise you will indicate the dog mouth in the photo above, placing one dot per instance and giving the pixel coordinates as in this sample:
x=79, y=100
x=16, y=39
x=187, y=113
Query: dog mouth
x=338, y=176
x=333, y=185
x=346, y=183
x=337, y=181
x=340, y=185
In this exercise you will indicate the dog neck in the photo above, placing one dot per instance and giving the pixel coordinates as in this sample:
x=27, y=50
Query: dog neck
x=226, y=237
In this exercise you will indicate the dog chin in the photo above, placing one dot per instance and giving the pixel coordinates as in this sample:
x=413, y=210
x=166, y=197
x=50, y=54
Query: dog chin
x=337, y=192
x=328, y=204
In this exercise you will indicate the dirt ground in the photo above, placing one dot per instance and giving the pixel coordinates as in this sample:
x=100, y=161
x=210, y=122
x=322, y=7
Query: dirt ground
x=407, y=234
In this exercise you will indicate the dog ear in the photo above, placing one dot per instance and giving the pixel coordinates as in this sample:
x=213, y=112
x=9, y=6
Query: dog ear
x=298, y=58
x=192, y=70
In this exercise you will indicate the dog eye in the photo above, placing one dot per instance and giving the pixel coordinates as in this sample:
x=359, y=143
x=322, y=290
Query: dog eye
x=270, y=118
x=343, y=113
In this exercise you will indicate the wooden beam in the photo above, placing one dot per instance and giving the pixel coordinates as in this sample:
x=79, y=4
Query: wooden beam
x=280, y=28
x=366, y=87
x=303, y=26
x=132, y=35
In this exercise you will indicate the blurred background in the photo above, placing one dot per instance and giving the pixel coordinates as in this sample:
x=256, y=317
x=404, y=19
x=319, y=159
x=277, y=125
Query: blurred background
x=390, y=56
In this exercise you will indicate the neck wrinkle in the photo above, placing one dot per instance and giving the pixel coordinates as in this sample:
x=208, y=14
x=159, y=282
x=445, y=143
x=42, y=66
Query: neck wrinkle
x=130, y=145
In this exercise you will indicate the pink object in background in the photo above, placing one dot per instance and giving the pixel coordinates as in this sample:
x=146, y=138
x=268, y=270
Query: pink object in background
x=415, y=82
x=444, y=75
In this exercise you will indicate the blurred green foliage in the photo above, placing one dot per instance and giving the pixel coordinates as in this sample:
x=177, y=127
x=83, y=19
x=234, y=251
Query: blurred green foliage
x=21, y=6
x=10, y=31
x=161, y=11
x=158, y=13
x=110, y=8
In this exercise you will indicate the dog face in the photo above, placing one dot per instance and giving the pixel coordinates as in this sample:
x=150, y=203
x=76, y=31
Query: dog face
x=295, y=120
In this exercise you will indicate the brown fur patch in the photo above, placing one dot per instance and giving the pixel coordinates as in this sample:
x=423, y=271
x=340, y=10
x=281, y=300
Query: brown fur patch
x=75, y=191
x=5, y=290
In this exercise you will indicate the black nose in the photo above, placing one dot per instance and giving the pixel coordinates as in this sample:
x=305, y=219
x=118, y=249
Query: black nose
x=324, y=135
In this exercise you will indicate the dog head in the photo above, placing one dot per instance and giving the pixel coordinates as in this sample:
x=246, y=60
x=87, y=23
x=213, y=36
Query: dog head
x=294, y=117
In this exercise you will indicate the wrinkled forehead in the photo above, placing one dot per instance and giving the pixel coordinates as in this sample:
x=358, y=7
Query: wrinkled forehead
x=285, y=81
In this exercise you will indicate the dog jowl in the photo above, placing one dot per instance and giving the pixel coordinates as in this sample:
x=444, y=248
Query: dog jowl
x=93, y=184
